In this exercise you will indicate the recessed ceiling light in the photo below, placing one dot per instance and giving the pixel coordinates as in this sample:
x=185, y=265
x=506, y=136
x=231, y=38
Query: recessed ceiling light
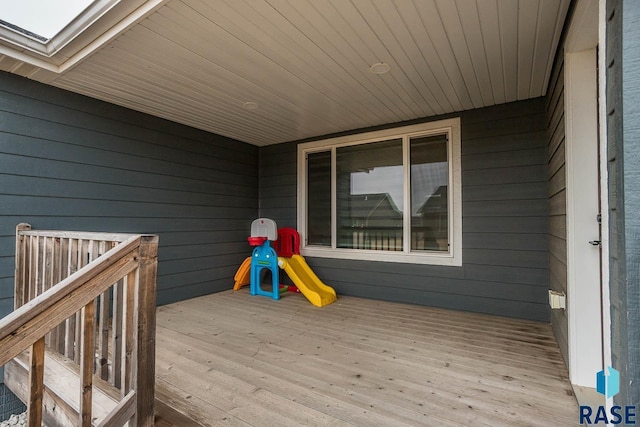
x=380, y=68
x=250, y=105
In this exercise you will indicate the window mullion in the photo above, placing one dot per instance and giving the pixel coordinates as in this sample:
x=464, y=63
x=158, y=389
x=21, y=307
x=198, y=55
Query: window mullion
x=451, y=204
x=406, y=208
x=334, y=203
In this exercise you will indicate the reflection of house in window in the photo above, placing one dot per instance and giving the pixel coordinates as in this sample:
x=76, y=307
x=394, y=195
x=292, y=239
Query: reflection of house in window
x=374, y=210
x=432, y=221
x=375, y=223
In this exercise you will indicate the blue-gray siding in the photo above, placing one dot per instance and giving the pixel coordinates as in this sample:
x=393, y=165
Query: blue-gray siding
x=557, y=197
x=505, y=221
x=623, y=111
x=72, y=162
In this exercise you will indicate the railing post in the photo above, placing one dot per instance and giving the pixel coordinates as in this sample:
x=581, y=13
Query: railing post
x=87, y=346
x=146, y=331
x=36, y=383
x=21, y=287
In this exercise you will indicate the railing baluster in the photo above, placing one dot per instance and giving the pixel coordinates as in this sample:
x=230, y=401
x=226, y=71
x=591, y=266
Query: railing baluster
x=103, y=336
x=81, y=249
x=48, y=264
x=56, y=341
x=82, y=256
x=21, y=291
x=117, y=335
x=36, y=383
x=42, y=255
x=128, y=332
x=70, y=336
x=27, y=271
x=86, y=363
x=33, y=270
x=61, y=268
x=93, y=250
x=102, y=363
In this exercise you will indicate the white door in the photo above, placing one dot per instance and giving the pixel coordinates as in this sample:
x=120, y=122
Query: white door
x=584, y=294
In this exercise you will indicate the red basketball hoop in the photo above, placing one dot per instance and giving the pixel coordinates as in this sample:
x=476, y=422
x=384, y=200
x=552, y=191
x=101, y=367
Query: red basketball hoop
x=257, y=241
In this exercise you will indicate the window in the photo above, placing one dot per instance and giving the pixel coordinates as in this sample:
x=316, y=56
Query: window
x=41, y=19
x=392, y=195
x=39, y=30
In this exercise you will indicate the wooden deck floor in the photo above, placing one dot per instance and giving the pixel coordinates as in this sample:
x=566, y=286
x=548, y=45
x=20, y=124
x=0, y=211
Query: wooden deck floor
x=233, y=359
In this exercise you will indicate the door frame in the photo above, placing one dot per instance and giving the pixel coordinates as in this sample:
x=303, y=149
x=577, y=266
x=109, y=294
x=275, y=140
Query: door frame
x=587, y=291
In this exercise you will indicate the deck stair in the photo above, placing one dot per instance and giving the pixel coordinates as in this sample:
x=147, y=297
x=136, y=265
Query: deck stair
x=79, y=347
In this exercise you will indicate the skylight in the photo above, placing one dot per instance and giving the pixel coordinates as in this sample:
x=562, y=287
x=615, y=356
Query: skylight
x=40, y=19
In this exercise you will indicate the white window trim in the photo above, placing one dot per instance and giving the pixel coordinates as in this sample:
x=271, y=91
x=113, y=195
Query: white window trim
x=451, y=258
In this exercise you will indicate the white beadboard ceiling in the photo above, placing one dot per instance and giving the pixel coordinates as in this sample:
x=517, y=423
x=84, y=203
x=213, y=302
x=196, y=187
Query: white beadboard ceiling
x=306, y=62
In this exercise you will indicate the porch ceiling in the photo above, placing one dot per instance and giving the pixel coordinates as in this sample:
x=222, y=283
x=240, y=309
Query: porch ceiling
x=306, y=62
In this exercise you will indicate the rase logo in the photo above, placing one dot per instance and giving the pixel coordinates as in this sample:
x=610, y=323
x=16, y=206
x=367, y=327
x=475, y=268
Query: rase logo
x=608, y=384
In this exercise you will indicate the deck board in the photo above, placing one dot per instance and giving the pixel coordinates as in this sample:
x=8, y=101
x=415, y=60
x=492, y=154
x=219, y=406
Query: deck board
x=233, y=359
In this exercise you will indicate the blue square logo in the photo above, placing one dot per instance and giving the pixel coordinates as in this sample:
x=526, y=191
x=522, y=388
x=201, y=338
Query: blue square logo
x=608, y=382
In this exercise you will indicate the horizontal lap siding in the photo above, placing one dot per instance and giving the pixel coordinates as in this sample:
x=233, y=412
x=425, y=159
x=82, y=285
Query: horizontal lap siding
x=623, y=134
x=505, y=222
x=555, y=155
x=278, y=188
x=72, y=162
x=618, y=290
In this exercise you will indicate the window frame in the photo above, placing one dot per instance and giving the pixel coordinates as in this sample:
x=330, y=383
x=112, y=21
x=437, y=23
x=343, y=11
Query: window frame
x=99, y=23
x=29, y=40
x=451, y=258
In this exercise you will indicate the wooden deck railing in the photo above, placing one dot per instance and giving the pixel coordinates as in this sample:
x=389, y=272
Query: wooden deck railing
x=90, y=300
x=389, y=239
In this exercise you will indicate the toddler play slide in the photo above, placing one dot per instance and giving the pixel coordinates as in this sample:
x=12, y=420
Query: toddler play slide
x=307, y=282
x=243, y=275
x=300, y=273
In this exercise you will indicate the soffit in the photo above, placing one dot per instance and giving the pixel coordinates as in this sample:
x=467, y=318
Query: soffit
x=306, y=62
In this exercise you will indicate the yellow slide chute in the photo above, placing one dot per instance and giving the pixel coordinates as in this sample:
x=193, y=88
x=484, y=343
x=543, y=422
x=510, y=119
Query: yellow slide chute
x=306, y=281
x=243, y=275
